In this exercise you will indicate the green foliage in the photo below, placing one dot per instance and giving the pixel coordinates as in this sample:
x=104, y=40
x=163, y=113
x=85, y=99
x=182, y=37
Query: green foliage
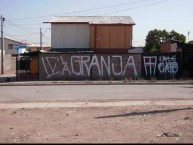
x=176, y=36
x=190, y=42
x=155, y=37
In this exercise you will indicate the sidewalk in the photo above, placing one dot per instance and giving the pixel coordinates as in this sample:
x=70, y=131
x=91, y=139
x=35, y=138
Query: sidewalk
x=12, y=82
x=86, y=104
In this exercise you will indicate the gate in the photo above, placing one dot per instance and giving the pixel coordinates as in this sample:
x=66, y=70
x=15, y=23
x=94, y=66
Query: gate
x=27, y=67
x=188, y=65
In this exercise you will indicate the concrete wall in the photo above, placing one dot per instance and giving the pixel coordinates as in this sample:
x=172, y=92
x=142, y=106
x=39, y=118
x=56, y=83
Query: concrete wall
x=109, y=66
x=89, y=66
x=9, y=63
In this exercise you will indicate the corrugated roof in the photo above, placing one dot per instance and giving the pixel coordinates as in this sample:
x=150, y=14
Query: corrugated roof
x=93, y=20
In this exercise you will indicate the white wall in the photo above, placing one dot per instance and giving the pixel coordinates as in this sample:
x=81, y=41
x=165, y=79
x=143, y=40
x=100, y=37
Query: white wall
x=70, y=36
x=9, y=63
x=6, y=46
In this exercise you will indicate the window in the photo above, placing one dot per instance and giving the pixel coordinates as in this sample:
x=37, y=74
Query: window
x=10, y=46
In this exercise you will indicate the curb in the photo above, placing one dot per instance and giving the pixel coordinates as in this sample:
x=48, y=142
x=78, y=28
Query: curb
x=48, y=83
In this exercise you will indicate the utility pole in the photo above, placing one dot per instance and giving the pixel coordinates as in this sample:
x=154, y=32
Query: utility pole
x=2, y=46
x=188, y=36
x=41, y=47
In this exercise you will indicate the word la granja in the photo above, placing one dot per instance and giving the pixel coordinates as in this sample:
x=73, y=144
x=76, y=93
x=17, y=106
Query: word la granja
x=82, y=65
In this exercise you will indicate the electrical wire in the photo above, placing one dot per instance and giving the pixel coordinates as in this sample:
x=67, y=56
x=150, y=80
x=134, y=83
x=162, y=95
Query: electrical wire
x=17, y=26
x=135, y=7
x=20, y=24
x=88, y=11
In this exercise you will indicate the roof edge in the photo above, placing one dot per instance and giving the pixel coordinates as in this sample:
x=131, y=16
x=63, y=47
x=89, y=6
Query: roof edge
x=92, y=20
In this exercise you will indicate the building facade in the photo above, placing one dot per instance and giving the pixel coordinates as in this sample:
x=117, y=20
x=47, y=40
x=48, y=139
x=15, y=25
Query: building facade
x=10, y=46
x=101, y=34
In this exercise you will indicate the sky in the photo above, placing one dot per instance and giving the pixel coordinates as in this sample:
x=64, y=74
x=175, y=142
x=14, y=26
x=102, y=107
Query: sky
x=24, y=18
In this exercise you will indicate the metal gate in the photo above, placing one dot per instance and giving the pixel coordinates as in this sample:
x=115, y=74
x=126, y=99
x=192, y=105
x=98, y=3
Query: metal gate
x=25, y=67
x=188, y=65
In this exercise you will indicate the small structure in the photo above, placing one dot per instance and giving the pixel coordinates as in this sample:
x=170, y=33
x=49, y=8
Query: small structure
x=136, y=50
x=171, y=46
x=31, y=48
x=100, y=34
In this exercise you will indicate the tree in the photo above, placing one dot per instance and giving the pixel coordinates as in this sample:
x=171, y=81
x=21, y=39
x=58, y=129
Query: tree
x=176, y=36
x=156, y=37
x=190, y=42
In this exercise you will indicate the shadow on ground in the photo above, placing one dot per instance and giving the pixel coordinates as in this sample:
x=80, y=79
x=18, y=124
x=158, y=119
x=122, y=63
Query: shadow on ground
x=142, y=113
x=4, y=79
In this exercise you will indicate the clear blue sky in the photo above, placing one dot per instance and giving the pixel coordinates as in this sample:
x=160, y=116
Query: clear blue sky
x=25, y=17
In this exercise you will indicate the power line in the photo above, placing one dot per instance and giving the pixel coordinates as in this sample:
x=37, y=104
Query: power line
x=133, y=3
x=15, y=29
x=118, y=6
x=135, y=7
x=19, y=35
x=28, y=34
x=18, y=26
x=30, y=21
x=150, y=2
x=113, y=7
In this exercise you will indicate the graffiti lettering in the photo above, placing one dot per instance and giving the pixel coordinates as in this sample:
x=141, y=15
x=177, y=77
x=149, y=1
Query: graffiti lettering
x=50, y=67
x=164, y=64
x=130, y=62
x=113, y=66
x=150, y=64
x=65, y=68
x=82, y=65
x=93, y=63
x=106, y=64
x=168, y=65
x=84, y=60
x=74, y=60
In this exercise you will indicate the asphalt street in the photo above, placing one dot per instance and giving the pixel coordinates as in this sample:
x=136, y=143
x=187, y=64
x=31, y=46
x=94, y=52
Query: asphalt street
x=86, y=92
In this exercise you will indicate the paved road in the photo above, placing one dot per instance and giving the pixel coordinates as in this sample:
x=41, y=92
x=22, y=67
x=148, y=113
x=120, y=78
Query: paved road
x=85, y=92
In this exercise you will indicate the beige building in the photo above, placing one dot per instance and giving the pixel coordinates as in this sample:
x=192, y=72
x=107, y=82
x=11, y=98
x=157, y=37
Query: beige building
x=9, y=55
x=9, y=46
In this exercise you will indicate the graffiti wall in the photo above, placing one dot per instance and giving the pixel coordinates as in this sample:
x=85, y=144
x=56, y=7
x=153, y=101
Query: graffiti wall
x=57, y=66
x=161, y=66
x=89, y=66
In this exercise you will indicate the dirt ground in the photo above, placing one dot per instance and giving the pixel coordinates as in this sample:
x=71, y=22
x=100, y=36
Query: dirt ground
x=132, y=124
